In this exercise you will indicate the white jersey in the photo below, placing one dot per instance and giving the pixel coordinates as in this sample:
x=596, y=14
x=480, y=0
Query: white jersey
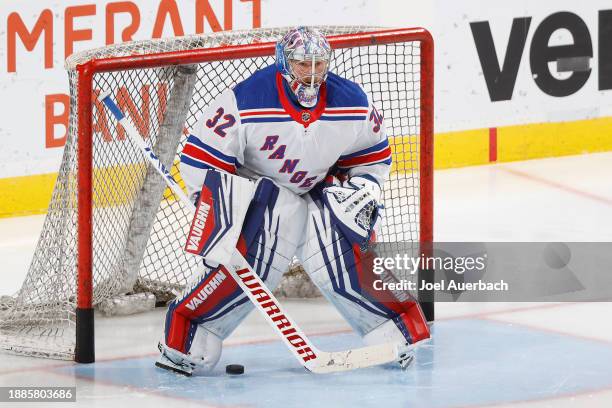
x=255, y=130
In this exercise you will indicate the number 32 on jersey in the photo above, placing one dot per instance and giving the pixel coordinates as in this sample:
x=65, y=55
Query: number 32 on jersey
x=219, y=128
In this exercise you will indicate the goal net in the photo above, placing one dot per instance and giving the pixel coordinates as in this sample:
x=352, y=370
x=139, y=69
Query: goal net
x=112, y=227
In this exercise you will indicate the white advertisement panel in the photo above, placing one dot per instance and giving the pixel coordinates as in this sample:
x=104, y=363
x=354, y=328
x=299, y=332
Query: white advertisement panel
x=504, y=63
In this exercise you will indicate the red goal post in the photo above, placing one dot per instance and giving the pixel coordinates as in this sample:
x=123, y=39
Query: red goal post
x=85, y=80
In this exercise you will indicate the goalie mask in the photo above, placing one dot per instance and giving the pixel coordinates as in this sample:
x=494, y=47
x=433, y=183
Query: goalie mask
x=303, y=57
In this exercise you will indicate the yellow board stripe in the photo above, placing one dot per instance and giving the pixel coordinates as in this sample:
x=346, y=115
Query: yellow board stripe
x=27, y=195
x=554, y=139
x=460, y=149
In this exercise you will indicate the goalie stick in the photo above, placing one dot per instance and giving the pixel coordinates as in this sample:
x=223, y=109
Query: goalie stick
x=313, y=359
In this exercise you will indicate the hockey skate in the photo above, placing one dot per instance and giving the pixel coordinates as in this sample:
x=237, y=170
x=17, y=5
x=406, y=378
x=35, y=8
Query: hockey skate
x=173, y=360
x=406, y=356
x=407, y=352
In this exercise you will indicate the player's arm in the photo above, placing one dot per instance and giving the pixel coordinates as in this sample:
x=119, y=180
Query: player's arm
x=368, y=161
x=355, y=203
x=214, y=143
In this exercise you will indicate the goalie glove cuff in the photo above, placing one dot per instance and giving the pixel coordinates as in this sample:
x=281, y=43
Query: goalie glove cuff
x=368, y=183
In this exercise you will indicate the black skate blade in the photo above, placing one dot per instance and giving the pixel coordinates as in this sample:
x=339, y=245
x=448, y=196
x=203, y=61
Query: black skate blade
x=170, y=368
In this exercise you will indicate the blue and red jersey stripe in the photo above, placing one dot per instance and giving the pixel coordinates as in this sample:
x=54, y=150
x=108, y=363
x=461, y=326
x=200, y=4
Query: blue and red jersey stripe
x=379, y=153
x=264, y=115
x=347, y=113
x=200, y=155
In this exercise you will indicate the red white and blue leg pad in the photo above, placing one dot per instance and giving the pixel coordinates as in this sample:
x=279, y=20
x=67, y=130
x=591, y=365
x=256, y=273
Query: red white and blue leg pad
x=342, y=271
x=212, y=303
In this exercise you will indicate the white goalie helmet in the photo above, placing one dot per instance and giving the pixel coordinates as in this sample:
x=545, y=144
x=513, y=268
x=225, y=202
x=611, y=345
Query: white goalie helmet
x=302, y=57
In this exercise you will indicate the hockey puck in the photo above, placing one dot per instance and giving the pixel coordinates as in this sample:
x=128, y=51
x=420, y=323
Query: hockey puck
x=234, y=369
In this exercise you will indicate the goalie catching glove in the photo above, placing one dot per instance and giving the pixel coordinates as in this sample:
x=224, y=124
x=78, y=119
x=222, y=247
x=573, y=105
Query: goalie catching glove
x=355, y=206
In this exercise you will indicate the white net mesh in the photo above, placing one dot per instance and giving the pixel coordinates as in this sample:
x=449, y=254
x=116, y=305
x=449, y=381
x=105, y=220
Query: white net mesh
x=138, y=227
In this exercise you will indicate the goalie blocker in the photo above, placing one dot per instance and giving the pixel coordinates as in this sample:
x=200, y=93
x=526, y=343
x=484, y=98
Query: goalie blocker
x=269, y=230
